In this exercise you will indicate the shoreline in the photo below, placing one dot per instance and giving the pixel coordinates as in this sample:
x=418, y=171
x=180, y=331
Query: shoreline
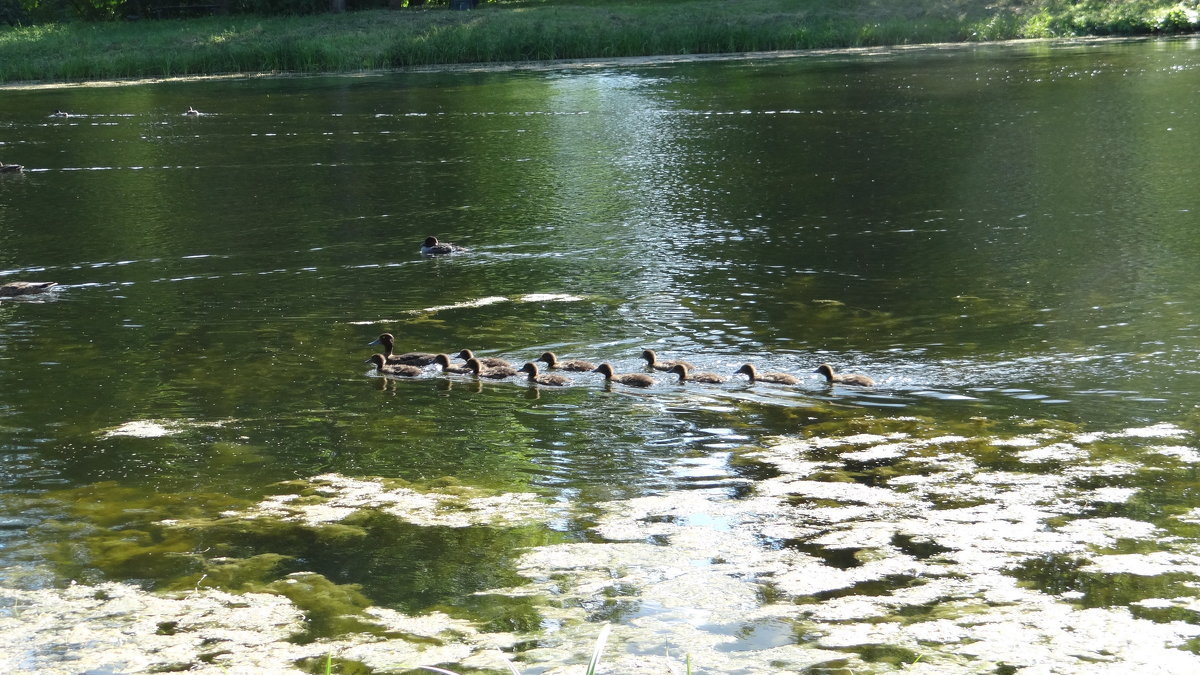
x=604, y=62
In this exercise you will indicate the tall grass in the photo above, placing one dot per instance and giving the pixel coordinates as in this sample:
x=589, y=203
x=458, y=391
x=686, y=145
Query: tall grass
x=546, y=29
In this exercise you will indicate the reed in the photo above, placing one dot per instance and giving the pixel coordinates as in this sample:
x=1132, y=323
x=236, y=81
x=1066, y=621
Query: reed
x=534, y=30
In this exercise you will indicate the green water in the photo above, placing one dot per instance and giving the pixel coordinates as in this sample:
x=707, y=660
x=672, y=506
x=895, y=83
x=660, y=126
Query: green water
x=1004, y=238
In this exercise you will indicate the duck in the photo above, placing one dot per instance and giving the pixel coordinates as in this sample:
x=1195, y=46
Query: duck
x=653, y=362
x=381, y=366
x=443, y=360
x=408, y=358
x=487, y=361
x=686, y=375
x=551, y=361
x=496, y=373
x=631, y=379
x=755, y=376
x=434, y=247
x=547, y=379
x=10, y=168
x=59, y=113
x=850, y=378
x=14, y=288
x=191, y=112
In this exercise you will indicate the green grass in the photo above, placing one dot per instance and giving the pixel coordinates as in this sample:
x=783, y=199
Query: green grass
x=544, y=30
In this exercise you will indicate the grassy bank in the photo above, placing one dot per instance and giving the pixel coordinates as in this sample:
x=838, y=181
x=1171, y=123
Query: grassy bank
x=548, y=29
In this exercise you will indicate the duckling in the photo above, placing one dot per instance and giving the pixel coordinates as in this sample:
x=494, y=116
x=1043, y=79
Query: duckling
x=653, y=362
x=407, y=358
x=381, y=366
x=487, y=361
x=434, y=247
x=755, y=376
x=575, y=365
x=547, y=379
x=191, y=112
x=631, y=379
x=497, y=373
x=443, y=360
x=686, y=375
x=13, y=288
x=852, y=378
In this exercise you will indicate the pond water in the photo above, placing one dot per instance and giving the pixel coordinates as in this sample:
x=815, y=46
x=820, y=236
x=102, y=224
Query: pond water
x=1003, y=237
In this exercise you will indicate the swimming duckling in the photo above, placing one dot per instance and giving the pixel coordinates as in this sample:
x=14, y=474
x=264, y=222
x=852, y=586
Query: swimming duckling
x=14, y=288
x=579, y=366
x=631, y=379
x=443, y=360
x=191, y=112
x=852, y=378
x=407, y=358
x=487, y=361
x=497, y=373
x=685, y=375
x=755, y=376
x=434, y=247
x=10, y=168
x=653, y=362
x=547, y=379
x=381, y=366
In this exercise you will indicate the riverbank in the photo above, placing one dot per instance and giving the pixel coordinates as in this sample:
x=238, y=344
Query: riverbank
x=544, y=31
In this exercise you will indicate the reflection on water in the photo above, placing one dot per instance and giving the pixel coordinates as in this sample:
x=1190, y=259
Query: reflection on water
x=1001, y=237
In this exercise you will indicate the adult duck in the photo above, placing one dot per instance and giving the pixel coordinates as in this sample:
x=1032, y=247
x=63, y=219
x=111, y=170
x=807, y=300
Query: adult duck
x=551, y=361
x=548, y=379
x=382, y=367
x=15, y=288
x=629, y=379
x=10, y=168
x=653, y=362
x=686, y=375
x=408, y=358
x=778, y=378
x=496, y=373
x=443, y=360
x=849, y=378
x=432, y=246
x=487, y=361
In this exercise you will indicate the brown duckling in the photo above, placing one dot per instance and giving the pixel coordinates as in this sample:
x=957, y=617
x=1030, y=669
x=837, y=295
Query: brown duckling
x=407, y=358
x=653, y=362
x=381, y=366
x=487, y=361
x=631, y=379
x=851, y=378
x=575, y=365
x=686, y=375
x=755, y=376
x=496, y=373
x=14, y=288
x=443, y=360
x=432, y=246
x=547, y=379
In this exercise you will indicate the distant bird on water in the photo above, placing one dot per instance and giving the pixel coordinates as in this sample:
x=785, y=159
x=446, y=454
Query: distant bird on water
x=408, y=358
x=191, y=112
x=381, y=366
x=10, y=168
x=630, y=379
x=551, y=361
x=849, y=378
x=548, y=379
x=778, y=378
x=15, y=288
x=686, y=375
x=59, y=113
x=432, y=246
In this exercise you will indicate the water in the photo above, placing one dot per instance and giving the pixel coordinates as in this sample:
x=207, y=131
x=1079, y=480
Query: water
x=1003, y=237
